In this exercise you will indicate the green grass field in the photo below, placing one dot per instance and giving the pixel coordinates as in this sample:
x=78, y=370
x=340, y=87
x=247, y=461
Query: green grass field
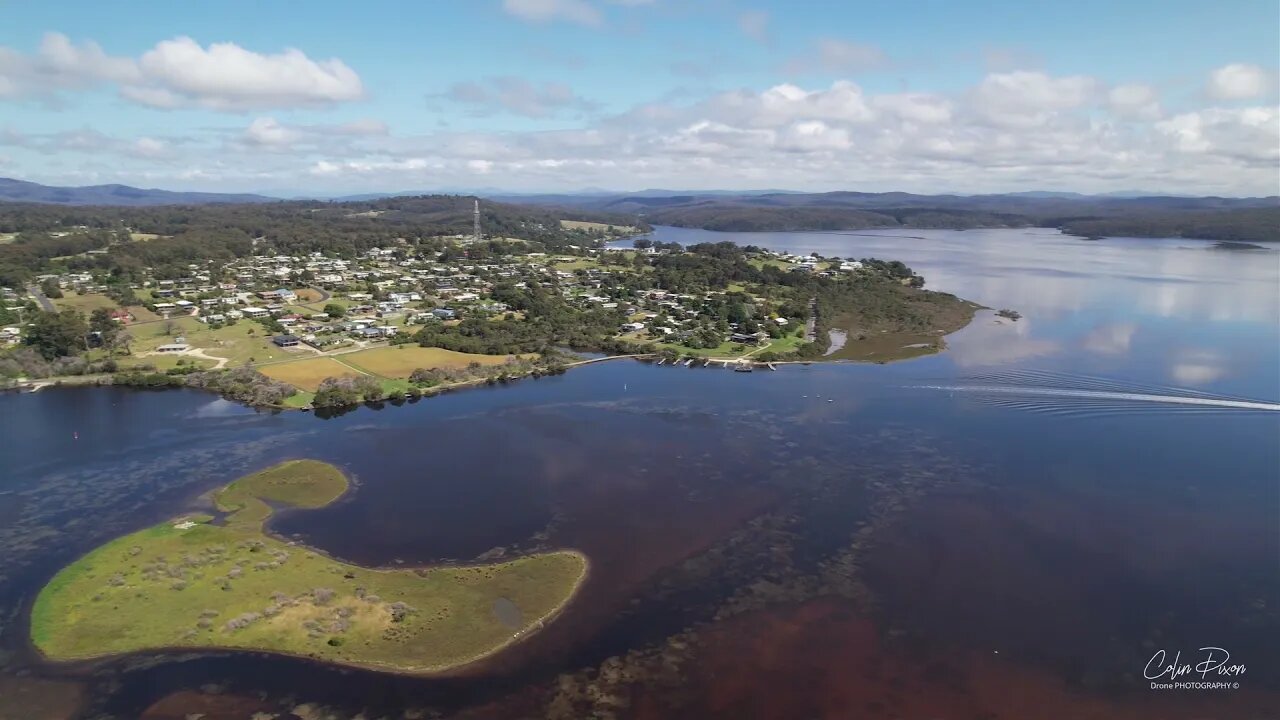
x=194, y=583
x=307, y=374
x=780, y=345
x=575, y=264
x=583, y=225
x=239, y=343
x=84, y=303
x=400, y=361
x=162, y=362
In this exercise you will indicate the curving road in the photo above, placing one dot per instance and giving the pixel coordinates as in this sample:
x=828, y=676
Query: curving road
x=45, y=303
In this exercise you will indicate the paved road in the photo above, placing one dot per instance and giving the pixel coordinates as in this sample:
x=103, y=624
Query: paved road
x=45, y=303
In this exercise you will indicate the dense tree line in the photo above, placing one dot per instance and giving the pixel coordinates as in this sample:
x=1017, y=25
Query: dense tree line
x=224, y=232
x=1248, y=220
x=1246, y=225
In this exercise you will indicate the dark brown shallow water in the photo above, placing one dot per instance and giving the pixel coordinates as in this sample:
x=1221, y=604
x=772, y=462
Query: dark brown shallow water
x=819, y=542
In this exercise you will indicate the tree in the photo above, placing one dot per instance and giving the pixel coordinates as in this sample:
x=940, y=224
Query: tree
x=335, y=310
x=122, y=342
x=58, y=334
x=368, y=388
x=101, y=322
x=50, y=288
x=335, y=392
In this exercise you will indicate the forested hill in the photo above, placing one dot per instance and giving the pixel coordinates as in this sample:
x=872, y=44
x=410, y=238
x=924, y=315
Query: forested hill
x=36, y=237
x=21, y=191
x=1214, y=218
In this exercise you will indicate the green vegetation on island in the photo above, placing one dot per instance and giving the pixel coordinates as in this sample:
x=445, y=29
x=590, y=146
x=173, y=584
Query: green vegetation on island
x=224, y=582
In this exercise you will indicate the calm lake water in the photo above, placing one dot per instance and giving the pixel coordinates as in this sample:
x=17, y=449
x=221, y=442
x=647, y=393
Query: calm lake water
x=1012, y=528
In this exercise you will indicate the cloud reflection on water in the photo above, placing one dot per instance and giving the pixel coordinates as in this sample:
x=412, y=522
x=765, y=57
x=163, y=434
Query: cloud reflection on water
x=1198, y=366
x=988, y=342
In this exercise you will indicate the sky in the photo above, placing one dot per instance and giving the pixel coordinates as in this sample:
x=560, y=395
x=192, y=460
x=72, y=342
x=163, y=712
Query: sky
x=927, y=96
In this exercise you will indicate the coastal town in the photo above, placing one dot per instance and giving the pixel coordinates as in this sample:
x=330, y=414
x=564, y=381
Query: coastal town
x=407, y=313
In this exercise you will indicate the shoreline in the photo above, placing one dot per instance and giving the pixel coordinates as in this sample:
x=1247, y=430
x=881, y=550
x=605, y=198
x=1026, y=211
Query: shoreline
x=535, y=627
x=740, y=360
x=530, y=629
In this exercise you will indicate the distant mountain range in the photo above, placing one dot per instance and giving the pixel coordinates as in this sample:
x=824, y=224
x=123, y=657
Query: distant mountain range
x=1111, y=214
x=21, y=191
x=12, y=190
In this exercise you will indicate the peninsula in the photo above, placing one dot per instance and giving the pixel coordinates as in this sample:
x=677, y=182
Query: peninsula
x=324, y=306
x=223, y=582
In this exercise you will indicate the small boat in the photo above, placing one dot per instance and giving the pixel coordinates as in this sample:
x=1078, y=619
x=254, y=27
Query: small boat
x=743, y=367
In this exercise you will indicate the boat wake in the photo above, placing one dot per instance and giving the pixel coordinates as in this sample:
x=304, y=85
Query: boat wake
x=1085, y=396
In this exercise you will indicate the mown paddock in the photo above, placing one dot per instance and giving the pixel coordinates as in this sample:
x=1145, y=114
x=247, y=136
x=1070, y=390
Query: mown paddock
x=584, y=225
x=401, y=360
x=306, y=374
x=84, y=303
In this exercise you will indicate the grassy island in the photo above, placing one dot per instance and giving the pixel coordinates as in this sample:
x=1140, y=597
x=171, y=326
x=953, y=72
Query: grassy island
x=223, y=582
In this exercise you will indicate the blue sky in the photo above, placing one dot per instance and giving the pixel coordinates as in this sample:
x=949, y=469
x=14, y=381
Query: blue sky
x=555, y=95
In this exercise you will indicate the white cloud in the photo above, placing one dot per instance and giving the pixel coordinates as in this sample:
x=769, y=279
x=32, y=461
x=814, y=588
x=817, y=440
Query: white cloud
x=1047, y=131
x=151, y=147
x=225, y=76
x=57, y=65
x=781, y=104
x=269, y=134
x=1025, y=99
x=915, y=107
x=180, y=72
x=1248, y=135
x=813, y=136
x=266, y=131
x=1239, y=81
x=1134, y=101
x=710, y=138
x=541, y=11
x=324, y=167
